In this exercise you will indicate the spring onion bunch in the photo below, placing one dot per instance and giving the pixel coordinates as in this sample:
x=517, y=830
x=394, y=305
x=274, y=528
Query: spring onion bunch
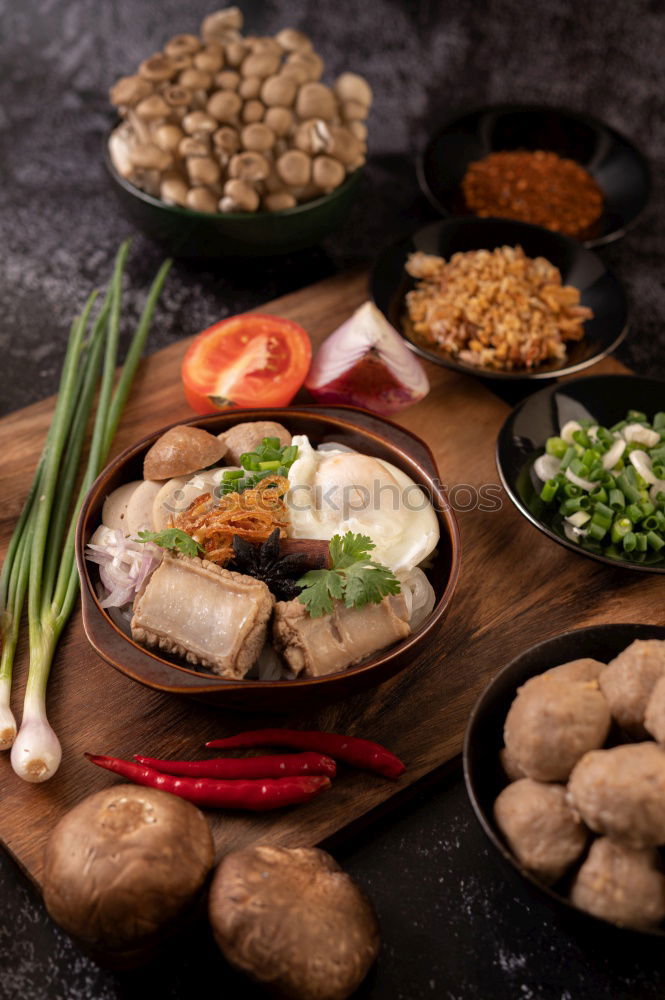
x=607, y=485
x=40, y=560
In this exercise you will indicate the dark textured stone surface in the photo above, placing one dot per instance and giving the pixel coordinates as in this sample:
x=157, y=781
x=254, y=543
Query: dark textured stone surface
x=454, y=927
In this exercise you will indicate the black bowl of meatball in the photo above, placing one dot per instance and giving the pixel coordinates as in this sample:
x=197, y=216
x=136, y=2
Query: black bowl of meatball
x=564, y=764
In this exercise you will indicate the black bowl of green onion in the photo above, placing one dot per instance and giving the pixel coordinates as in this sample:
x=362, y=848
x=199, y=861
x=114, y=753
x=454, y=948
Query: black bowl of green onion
x=584, y=461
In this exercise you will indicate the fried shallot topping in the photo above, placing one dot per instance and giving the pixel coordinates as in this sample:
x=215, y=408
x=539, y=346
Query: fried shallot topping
x=251, y=515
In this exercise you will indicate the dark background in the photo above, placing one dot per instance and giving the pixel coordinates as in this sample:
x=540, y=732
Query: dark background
x=454, y=926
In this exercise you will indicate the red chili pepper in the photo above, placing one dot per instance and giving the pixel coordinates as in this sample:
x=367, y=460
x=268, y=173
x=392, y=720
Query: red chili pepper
x=360, y=753
x=272, y=793
x=277, y=766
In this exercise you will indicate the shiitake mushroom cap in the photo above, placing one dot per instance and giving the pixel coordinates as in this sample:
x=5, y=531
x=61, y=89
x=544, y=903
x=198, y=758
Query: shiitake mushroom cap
x=291, y=918
x=124, y=866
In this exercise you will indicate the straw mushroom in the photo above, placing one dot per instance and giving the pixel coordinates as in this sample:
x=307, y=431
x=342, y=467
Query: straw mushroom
x=310, y=62
x=173, y=190
x=279, y=91
x=152, y=108
x=222, y=95
x=352, y=87
x=327, y=173
x=294, y=168
x=292, y=40
x=249, y=166
x=235, y=51
x=300, y=72
x=315, y=100
x=353, y=111
x=257, y=137
x=182, y=45
x=224, y=106
x=157, y=68
x=280, y=120
x=343, y=145
x=291, y=918
x=249, y=87
x=239, y=196
x=228, y=79
x=129, y=90
x=313, y=136
x=210, y=59
x=359, y=129
x=150, y=156
x=120, y=144
x=279, y=201
x=124, y=866
x=203, y=170
x=260, y=64
x=195, y=79
x=195, y=145
x=226, y=142
x=177, y=96
x=199, y=121
x=202, y=199
x=253, y=111
x=216, y=26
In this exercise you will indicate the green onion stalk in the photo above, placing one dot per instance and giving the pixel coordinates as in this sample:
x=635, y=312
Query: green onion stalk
x=40, y=559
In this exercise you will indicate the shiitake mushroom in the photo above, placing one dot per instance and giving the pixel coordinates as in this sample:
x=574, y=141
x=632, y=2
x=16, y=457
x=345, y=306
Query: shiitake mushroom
x=123, y=868
x=292, y=919
x=222, y=95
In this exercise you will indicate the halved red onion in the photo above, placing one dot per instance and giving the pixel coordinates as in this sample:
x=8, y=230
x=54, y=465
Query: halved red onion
x=366, y=363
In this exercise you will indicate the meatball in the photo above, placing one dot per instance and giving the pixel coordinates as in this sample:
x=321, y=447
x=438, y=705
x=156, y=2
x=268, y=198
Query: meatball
x=621, y=792
x=248, y=436
x=552, y=723
x=540, y=827
x=654, y=717
x=620, y=884
x=510, y=766
x=628, y=680
x=584, y=669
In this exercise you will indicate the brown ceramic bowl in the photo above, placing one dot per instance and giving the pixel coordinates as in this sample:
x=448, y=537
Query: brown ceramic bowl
x=346, y=424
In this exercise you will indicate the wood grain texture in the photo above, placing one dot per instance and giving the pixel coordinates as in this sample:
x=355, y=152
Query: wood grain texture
x=516, y=588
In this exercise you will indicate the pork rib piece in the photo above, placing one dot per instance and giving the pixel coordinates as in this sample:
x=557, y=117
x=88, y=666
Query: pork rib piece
x=316, y=646
x=208, y=615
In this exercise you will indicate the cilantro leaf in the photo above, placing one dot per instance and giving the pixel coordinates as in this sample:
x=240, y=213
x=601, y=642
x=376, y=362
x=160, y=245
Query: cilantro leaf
x=368, y=584
x=321, y=587
x=172, y=538
x=353, y=577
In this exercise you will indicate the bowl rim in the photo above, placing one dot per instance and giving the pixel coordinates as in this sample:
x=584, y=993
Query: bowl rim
x=217, y=683
x=485, y=697
x=466, y=111
x=446, y=361
x=516, y=500
x=191, y=213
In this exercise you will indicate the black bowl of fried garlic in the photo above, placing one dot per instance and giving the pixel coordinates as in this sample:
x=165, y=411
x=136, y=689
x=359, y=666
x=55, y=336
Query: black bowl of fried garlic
x=231, y=144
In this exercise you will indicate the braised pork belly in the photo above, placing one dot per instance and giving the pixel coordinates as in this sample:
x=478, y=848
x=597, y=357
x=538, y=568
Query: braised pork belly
x=317, y=646
x=210, y=616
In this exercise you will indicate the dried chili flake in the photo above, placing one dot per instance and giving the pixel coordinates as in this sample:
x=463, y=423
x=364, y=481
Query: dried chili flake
x=534, y=186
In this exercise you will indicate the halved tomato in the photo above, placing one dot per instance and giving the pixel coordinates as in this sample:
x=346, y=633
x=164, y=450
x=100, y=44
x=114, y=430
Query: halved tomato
x=253, y=359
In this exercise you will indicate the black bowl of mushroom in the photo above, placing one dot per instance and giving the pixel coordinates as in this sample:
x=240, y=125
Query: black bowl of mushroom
x=231, y=144
x=564, y=764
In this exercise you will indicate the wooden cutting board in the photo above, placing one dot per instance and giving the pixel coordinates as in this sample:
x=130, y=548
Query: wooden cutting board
x=516, y=588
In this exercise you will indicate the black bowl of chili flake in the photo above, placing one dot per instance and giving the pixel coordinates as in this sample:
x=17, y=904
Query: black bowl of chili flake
x=546, y=166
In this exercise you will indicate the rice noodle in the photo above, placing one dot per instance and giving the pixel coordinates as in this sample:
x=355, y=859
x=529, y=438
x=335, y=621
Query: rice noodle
x=418, y=594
